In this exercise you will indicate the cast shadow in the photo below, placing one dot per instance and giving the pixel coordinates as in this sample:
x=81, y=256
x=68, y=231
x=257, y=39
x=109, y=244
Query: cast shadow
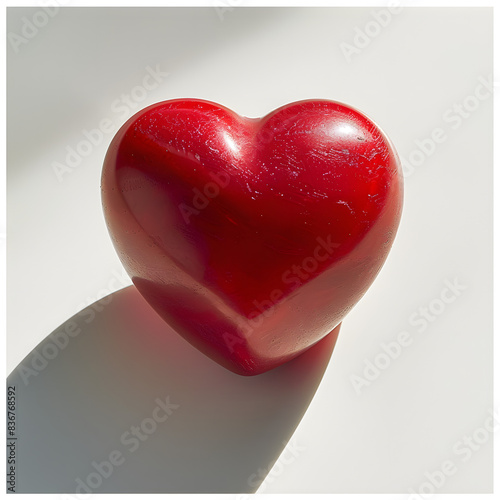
x=114, y=401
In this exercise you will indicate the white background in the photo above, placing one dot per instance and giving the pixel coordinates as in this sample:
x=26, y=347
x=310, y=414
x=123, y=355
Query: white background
x=406, y=422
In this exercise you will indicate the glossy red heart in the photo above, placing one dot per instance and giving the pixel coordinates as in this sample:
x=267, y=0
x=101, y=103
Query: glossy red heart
x=252, y=238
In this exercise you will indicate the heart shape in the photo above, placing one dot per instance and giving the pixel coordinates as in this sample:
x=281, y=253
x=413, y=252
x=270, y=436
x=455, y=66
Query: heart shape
x=252, y=238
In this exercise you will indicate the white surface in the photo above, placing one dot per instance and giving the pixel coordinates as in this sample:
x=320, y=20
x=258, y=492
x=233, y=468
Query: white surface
x=94, y=403
x=69, y=76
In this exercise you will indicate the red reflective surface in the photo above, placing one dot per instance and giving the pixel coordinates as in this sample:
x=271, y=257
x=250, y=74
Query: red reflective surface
x=252, y=238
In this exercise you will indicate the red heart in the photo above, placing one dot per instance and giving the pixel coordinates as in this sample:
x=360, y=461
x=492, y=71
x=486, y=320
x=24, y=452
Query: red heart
x=252, y=238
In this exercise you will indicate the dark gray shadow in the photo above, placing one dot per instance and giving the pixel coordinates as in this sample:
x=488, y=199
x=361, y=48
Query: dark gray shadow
x=115, y=401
